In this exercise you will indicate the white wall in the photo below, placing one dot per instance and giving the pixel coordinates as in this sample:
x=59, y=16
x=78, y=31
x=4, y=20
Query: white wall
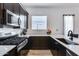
x=55, y=18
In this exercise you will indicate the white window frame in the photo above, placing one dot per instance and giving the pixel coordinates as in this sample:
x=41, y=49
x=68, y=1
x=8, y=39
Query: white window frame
x=38, y=25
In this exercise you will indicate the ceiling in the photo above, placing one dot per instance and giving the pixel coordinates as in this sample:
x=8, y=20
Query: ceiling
x=49, y=5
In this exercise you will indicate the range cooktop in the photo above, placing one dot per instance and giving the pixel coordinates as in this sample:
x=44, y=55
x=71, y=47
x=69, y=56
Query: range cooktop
x=13, y=41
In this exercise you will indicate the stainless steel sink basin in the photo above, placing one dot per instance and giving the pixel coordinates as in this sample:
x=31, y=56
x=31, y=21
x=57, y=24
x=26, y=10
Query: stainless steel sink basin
x=68, y=42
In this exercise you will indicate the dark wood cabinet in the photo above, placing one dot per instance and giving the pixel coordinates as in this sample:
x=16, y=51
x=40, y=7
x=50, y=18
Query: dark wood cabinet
x=39, y=43
x=21, y=11
x=1, y=13
x=24, y=14
x=56, y=48
x=16, y=8
x=8, y=6
x=13, y=7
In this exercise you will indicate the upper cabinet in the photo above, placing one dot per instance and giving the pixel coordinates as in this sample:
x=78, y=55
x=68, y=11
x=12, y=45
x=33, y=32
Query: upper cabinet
x=8, y=6
x=24, y=15
x=1, y=13
x=16, y=8
x=13, y=7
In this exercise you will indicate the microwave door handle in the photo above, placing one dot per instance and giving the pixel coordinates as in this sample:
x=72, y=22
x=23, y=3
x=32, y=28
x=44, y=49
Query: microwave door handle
x=19, y=21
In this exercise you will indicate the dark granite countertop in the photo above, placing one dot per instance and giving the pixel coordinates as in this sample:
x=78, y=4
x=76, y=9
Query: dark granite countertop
x=13, y=41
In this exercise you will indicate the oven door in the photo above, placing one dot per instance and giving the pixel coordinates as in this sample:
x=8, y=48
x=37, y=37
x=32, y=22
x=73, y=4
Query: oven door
x=22, y=44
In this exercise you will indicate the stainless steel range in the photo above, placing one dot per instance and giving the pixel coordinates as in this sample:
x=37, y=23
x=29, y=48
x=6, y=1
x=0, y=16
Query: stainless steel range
x=20, y=42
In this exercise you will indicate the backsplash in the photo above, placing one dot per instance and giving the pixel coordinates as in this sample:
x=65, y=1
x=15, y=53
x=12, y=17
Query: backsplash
x=37, y=32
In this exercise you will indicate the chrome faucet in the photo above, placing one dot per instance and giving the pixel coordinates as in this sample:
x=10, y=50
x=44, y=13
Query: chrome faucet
x=70, y=33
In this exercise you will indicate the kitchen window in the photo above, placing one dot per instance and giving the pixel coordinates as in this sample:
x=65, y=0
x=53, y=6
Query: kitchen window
x=39, y=22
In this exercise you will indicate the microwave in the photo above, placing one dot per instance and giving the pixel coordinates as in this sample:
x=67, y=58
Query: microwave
x=12, y=19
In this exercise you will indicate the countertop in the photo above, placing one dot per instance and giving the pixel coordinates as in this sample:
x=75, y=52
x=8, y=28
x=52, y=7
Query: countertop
x=18, y=31
x=53, y=35
x=73, y=48
x=13, y=41
x=5, y=49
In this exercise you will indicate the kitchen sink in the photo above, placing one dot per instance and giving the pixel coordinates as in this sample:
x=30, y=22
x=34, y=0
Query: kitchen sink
x=68, y=42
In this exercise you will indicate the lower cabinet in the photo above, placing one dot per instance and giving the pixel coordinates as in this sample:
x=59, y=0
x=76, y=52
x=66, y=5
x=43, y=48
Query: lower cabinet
x=56, y=48
x=37, y=42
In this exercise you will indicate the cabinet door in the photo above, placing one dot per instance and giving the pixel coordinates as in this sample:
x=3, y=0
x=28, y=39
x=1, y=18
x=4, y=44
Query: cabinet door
x=26, y=15
x=16, y=8
x=8, y=6
x=56, y=48
x=22, y=18
x=13, y=7
x=1, y=13
x=21, y=10
x=26, y=18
